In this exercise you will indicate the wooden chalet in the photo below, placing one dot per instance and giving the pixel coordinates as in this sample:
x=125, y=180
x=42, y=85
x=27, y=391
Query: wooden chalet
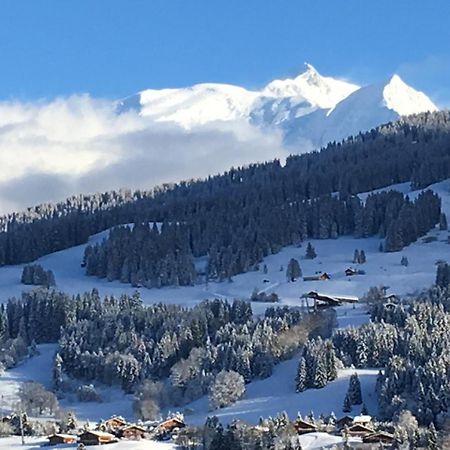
x=350, y=272
x=362, y=419
x=346, y=421
x=171, y=424
x=114, y=422
x=59, y=438
x=322, y=277
x=391, y=298
x=379, y=437
x=132, y=432
x=359, y=430
x=91, y=437
x=303, y=427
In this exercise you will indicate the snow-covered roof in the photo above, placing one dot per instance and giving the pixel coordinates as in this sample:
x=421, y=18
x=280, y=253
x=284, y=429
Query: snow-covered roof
x=362, y=419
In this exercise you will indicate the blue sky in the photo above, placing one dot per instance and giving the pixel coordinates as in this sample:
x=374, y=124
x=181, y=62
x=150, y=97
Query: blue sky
x=112, y=48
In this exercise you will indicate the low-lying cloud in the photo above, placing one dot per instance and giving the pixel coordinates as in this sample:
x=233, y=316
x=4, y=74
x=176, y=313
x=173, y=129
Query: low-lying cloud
x=52, y=149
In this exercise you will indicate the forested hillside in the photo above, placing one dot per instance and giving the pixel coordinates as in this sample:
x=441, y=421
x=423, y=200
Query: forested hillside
x=237, y=238
x=119, y=341
x=246, y=202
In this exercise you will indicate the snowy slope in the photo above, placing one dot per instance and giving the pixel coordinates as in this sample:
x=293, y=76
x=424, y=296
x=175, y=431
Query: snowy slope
x=273, y=395
x=310, y=109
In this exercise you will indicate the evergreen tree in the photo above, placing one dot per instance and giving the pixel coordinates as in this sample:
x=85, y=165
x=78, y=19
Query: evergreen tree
x=300, y=381
x=310, y=252
x=354, y=390
x=347, y=406
x=362, y=257
x=293, y=271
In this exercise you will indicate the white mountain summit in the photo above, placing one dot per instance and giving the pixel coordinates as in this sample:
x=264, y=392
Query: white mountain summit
x=309, y=108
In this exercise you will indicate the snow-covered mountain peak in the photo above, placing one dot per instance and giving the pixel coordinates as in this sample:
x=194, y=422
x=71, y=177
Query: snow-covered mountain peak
x=403, y=99
x=310, y=85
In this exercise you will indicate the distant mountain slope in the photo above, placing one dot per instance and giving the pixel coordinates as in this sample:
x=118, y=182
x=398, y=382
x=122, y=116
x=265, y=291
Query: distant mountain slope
x=310, y=109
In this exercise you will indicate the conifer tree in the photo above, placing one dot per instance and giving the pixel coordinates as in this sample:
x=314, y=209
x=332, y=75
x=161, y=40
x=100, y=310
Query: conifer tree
x=310, y=252
x=347, y=406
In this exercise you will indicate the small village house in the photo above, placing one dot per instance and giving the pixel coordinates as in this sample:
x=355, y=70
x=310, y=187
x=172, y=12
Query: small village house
x=59, y=438
x=346, y=421
x=381, y=437
x=132, y=432
x=351, y=272
x=303, y=427
x=114, y=422
x=363, y=419
x=358, y=430
x=96, y=438
x=171, y=424
x=322, y=277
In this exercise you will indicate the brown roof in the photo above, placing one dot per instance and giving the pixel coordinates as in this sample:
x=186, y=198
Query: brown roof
x=303, y=424
x=359, y=429
x=133, y=427
x=380, y=436
x=173, y=422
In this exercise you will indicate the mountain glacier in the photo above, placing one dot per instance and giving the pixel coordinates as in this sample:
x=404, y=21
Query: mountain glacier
x=310, y=109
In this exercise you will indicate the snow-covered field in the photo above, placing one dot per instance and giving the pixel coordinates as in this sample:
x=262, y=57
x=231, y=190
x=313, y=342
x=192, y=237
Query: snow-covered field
x=37, y=443
x=263, y=397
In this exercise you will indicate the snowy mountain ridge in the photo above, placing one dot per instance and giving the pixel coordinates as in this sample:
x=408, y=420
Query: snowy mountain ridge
x=309, y=108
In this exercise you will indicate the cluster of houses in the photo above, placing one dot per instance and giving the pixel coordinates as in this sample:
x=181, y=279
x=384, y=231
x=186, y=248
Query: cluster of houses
x=349, y=427
x=117, y=428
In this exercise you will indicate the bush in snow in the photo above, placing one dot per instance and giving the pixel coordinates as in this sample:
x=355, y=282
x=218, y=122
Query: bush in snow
x=88, y=393
x=227, y=388
x=5, y=429
x=35, y=399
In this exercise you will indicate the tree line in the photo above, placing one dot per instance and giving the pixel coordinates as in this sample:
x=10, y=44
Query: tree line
x=235, y=239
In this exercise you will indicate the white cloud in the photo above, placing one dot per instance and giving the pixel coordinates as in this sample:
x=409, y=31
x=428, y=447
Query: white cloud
x=52, y=149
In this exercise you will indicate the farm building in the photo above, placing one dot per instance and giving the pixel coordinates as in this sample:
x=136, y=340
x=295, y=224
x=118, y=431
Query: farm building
x=322, y=277
x=351, y=272
x=59, y=438
x=329, y=300
x=96, y=438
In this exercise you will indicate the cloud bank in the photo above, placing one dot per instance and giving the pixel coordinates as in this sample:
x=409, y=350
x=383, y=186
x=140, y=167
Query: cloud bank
x=52, y=149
